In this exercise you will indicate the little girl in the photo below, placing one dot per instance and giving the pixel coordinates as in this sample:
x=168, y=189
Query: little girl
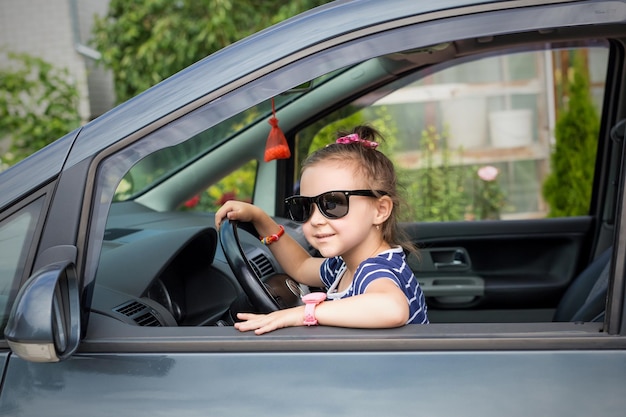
x=348, y=210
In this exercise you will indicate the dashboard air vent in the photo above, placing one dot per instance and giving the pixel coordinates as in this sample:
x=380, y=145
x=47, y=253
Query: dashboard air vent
x=139, y=313
x=262, y=265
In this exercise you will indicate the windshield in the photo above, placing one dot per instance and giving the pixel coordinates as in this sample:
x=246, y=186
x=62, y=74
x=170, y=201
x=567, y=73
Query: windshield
x=161, y=165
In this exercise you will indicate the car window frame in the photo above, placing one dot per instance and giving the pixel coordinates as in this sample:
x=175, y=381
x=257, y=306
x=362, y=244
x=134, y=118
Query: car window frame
x=186, y=122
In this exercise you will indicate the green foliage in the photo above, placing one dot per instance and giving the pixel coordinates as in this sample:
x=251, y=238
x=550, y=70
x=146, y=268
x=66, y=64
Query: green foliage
x=38, y=104
x=146, y=41
x=437, y=191
x=567, y=189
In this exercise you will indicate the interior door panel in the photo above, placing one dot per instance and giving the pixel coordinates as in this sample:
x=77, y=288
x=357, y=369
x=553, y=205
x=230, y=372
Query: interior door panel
x=498, y=270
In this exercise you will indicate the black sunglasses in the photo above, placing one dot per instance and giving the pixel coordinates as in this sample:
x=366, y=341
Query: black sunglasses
x=332, y=204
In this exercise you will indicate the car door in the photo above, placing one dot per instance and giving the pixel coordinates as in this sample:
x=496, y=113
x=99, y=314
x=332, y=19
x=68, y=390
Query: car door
x=123, y=364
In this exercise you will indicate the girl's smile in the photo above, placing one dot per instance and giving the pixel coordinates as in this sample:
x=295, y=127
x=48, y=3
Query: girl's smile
x=320, y=236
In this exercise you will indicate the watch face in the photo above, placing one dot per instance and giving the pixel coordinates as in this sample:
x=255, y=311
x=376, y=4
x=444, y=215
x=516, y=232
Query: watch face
x=314, y=297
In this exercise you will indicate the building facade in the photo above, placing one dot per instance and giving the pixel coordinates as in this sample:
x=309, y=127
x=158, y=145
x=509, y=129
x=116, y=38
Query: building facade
x=58, y=31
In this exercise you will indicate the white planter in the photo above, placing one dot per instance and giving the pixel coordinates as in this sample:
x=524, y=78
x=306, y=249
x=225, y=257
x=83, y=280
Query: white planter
x=466, y=121
x=511, y=128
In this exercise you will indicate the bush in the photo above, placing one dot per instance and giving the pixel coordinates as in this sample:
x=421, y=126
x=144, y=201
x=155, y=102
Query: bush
x=38, y=104
x=567, y=189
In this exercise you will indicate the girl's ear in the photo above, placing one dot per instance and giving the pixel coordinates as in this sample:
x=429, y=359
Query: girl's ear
x=384, y=206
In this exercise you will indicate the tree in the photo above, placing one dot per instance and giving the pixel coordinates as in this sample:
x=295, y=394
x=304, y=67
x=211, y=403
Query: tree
x=146, y=41
x=38, y=104
x=567, y=189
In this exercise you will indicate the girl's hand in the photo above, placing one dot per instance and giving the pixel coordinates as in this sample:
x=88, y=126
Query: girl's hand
x=236, y=210
x=263, y=323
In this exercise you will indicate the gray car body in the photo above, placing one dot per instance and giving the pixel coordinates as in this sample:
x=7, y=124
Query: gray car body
x=554, y=369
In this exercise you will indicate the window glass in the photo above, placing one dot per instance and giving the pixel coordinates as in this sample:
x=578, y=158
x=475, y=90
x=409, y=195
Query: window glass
x=16, y=234
x=158, y=166
x=478, y=140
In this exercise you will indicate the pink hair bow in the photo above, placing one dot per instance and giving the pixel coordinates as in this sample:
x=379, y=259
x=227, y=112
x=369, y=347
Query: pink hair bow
x=354, y=138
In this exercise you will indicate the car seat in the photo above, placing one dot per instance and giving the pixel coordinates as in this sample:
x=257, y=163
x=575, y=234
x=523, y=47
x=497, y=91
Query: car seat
x=585, y=299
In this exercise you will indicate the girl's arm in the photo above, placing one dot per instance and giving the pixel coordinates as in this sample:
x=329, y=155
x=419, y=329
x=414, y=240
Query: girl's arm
x=383, y=305
x=292, y=257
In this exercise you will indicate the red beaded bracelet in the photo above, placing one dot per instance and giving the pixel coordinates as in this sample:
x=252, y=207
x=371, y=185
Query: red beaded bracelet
x=268, y=240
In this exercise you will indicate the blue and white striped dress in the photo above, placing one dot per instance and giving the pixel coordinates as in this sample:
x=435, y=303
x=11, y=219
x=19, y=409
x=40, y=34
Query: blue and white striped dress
x=390, y=264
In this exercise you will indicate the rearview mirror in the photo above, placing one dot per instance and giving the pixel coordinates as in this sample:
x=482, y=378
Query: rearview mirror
x=44, y=324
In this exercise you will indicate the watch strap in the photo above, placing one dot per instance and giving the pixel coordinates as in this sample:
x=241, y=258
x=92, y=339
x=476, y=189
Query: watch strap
x=309, y=314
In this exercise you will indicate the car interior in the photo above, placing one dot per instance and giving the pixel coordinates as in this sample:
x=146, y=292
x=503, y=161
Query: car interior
x=163, y=263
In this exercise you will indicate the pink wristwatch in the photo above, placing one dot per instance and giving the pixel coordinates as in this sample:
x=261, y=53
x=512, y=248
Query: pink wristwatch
x=311, y=300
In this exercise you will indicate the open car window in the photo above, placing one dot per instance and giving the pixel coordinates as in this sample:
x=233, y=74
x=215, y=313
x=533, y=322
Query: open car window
x=445, y=118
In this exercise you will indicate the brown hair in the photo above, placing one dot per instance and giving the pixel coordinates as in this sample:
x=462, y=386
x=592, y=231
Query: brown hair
x=375, y=167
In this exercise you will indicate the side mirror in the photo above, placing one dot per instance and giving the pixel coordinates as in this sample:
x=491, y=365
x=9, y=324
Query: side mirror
x=44, y=324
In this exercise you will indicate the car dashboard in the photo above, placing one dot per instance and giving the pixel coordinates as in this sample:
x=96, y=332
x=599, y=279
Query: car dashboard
x=168, y=269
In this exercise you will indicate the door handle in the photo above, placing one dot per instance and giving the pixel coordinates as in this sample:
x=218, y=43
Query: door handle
x=451, y=259
x=453, y=264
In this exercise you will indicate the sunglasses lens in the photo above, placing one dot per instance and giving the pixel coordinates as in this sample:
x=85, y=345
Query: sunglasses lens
x=333, y=204
x=299, y=208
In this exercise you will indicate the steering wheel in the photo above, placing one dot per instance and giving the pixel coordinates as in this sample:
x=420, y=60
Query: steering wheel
x=248, y=278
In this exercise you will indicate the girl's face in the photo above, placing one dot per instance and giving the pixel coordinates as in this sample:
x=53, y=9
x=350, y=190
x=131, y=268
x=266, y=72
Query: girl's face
x=353, y=236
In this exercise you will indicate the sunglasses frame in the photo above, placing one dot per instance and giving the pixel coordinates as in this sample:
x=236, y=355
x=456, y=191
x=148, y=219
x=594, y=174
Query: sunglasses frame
x=318, y=198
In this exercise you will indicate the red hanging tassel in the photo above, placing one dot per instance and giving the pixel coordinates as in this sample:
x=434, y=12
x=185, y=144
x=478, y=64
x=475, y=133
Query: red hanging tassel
x=276, y=146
